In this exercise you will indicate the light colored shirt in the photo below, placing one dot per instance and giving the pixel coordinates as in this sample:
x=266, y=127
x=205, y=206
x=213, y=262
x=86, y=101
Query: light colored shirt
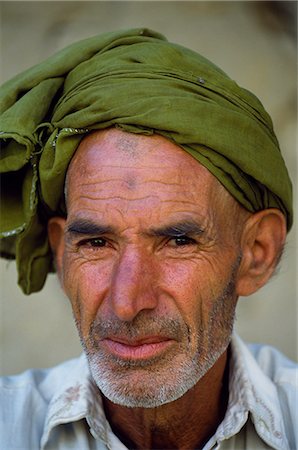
x=61, y=408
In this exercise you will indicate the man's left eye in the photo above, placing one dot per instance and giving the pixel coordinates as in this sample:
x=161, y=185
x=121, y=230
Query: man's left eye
x=182, y=241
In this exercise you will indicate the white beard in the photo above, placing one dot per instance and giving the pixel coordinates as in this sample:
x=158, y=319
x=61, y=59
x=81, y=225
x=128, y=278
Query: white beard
x=152, y=383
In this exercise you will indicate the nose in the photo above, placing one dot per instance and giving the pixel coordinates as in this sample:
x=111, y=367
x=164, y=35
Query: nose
x=133, y=285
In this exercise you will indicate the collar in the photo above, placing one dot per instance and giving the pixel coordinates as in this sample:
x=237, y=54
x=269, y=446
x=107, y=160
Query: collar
x=251, y=394
x=76, y=398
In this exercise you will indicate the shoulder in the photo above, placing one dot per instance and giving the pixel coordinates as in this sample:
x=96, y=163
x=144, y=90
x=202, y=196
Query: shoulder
x=284, y=375
x=274, y=383
x=278, y=367
x=39, y=383
x=24, y=401
x=274, y=364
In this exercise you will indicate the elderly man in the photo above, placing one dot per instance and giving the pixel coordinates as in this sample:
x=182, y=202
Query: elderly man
x=156, y=188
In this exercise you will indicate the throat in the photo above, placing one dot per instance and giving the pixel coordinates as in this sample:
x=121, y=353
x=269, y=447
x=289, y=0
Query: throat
x=184, y=424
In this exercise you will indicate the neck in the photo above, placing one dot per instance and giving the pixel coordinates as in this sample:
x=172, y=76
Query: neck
x=186, y=423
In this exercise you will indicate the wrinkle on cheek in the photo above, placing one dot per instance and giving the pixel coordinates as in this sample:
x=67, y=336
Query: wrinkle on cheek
x=90, y=286
x=71, y=285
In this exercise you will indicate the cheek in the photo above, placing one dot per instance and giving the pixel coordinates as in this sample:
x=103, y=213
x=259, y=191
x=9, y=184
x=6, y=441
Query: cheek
x=184, y=284
x=86, y=285
x=193, y=285
x=185, y=274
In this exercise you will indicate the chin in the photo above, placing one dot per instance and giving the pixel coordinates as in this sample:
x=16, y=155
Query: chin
x=150, y=386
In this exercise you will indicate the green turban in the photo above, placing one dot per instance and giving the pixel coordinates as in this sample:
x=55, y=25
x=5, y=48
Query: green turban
x=138, y=81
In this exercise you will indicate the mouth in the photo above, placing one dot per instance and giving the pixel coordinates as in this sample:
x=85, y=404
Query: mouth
x=138, y=350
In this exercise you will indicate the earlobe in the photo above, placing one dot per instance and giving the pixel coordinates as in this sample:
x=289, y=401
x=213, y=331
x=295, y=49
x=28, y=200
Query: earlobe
x=56, y=227
x=262, y=243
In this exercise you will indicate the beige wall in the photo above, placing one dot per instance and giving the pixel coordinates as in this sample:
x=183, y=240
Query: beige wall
x=246, y=39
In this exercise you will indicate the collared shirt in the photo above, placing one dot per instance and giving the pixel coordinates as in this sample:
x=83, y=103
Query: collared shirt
x=61, y=408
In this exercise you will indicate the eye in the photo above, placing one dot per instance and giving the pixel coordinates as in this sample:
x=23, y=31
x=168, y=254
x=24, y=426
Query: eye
x=95, y=242
x=182, y=241
x=93, y=249
x=98, y=242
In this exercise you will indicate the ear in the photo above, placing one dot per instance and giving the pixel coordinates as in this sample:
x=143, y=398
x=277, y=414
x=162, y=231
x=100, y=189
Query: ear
x=262, y=243
x=56, y=227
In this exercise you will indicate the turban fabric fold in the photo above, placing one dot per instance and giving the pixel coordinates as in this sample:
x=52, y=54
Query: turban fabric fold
x=135, y=80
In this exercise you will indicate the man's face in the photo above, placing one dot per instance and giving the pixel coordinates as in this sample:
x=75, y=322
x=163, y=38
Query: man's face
x=149, y=260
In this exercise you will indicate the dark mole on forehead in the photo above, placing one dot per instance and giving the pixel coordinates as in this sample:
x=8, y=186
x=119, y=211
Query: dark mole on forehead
x=130, y=181
x=128, y=144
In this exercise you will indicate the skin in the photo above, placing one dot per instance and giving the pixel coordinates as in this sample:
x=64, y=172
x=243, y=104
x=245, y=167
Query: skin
x=153, y=262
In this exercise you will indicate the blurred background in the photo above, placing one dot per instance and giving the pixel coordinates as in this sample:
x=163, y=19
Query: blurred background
x=256, y=44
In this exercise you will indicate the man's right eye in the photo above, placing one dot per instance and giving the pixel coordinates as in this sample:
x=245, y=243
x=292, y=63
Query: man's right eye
x=98, y=242
x=94, y=242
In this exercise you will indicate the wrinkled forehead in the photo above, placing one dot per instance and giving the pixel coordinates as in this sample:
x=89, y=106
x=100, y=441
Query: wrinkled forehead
x=141, y=175
x=132, y=155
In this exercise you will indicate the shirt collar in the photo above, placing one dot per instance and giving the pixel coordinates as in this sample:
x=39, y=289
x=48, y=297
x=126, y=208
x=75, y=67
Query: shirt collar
x=77, y=398
x=251, y=392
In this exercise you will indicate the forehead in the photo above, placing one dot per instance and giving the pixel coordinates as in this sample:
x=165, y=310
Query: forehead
x=116, y=170
x=128, y=154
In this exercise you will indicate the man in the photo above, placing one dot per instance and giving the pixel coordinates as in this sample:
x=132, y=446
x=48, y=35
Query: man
x=149, y=180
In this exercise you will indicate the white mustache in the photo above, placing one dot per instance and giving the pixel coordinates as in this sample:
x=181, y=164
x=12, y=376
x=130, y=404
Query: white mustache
x=139, y=328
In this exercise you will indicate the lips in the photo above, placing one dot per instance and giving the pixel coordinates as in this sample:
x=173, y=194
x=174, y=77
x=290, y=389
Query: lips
x=141, y=349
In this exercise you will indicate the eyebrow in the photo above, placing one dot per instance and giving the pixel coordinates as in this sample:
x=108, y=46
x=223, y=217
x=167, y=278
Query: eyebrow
x=182, y=228
x=87, y=227
x=178, y=229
